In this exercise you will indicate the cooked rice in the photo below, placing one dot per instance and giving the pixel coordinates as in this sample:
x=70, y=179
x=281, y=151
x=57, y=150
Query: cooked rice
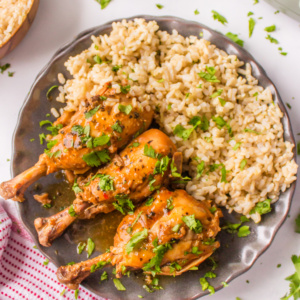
x=12, y=15
x=162, y=70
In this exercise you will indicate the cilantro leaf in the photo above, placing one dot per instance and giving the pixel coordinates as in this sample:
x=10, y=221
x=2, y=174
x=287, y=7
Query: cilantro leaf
x=149, y=151
x=96, y=158
x=270, y=28
x=125, y=89
x=126, y=109
x=117, y=127
x=135, y=240
x=72, y=212
x=200, y=169
x=183, y=133
x=123, y=204
x=243, y=164
x=97, y=59
x=103, y=3
x=50, y=90
x=243, y=231
x=91, y=112
x=262, y=208
x=104, y=276
x=219, y=17
x=116, y=68
x=90, y=246
x=209, y=75
x=192, y=223
x=101, y=140
x=221, y=123
x=161, y=166
x=118, y=284
x=176, y=228
x=149, y=201
x=216, y=94
x=271, y=39
x=235, y=38
x=159, y=6
x=251, y=26
x=196, y=12
x=106, y=183
x=76, y=187
x=80, y=247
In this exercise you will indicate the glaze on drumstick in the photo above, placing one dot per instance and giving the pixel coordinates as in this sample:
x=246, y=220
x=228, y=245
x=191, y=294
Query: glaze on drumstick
x=85, y=139
x=168, y=236
x=142, y=167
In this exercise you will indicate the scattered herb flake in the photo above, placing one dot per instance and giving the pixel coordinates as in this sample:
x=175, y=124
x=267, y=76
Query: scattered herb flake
x=262, y=208
x=235, y=38
x=91, y=112
x=271, y=39
x=126, y=109
x=209, y=75
x=125, y=89
x=159, y=6
x=90, y=246
x=243, y=231
x=97, y=59
x=219, y=17
x=76, y=293
x=243, y=164
x=136, y=238
x=196, y=12
x=192, y=223
x=288, y=105
x=270, y=28
x=46, y=262
x=50, y=90
x=118, y=284
x=251, y=26
x=250, y=13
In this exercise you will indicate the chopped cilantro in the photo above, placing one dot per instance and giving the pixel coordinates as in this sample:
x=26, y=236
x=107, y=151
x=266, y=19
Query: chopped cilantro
x=170, y=205
x=222, y=101
x=76, y=293
x=176, y=228
x=294, y=280
x=104, y=276
x=250, y=13
x=255, y=2
x=123, y=204
x=206, y=286
x=125, y=89
x=271, y=39
x=11, y=74
x=161, y=166
x=116, y=68
x=243, y=231
x=76, y=187
x=46, y=262
x=101, y=140
x=262, y=208
x=47, y=205
x=251, y=26
x=196, y=12
x=209, y=75
x=97, y=59
x=4, y=68
x=237, y=145
x=106, y=182
x=126, y=109
x=216, y=94
x=50, y=90
x=235, y=38
x=71, y=211
x=118, y=284
x=117, y=127
x=80, y=247
x=276, y=12
x=192, y=223
x=221, y=123
x=223, y=174
x=103, y=3
x=251, y=131
x=91, y=112
x=159, y=6
x=149, y=151
x=90, y=246
x=283, y=53
x=289, y=105
x=200, y=169
x=96, y=158
x=62, y=292
x=219, y=17
x=136, y=238
x=243, y=164
x=99, y=265
x=149, y=201
x=270, y=28
x=42, y=137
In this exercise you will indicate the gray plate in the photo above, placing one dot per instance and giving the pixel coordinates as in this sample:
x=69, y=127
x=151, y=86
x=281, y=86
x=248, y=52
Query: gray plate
x=233, y=260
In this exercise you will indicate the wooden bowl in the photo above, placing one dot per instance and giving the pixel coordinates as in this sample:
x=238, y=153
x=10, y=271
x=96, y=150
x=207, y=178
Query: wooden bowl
x=20, y=31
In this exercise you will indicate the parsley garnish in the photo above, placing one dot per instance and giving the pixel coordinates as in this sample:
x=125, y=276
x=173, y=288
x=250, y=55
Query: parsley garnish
x=262, y=208
x=251, y=26
x=209, y=75
x=117, y=127
x=76, y=187
x=219, y=17
x=271, y=39
x=96, y=158
x=270, y=28
x=235, y=38
x=91, y=112
x=192, y=223
x=159, y=6
x=123, y=203
x=50, y=90
x=135, y=240
x=126, y=109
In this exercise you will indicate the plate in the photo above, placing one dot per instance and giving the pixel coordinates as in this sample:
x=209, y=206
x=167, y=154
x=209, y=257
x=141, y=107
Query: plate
x=235, y=256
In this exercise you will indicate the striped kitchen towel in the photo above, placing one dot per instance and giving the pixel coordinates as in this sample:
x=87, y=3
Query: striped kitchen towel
x=24, y=271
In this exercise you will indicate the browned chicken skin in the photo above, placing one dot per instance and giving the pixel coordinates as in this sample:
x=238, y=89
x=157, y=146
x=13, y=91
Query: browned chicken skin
x=175, y=227
x=87, y=139
x=130, y=177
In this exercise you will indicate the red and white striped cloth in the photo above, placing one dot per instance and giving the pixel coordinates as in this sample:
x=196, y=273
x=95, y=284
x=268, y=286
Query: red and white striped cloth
x=23, y=274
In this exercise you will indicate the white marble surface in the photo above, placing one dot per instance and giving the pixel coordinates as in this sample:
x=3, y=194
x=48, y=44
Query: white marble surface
x=58, y=21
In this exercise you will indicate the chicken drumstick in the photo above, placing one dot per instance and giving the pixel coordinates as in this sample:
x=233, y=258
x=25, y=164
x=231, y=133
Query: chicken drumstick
x=142, y=167
x=167, y=237
x=86, y=139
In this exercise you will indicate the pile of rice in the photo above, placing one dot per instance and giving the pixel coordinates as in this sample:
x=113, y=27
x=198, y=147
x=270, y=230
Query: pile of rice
x=12, y=15
x=162, y=70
